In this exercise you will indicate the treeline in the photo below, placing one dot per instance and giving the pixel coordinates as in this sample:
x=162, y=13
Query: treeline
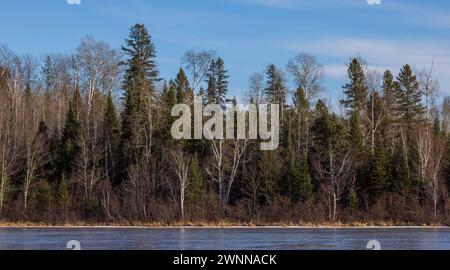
x=86, y=137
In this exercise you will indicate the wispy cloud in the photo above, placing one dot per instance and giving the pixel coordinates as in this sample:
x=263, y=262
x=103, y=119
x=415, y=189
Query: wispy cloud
x=420, y=14
x=74, y=2
x=374, y=2
x=274, y=3
x=308, y=3
x=380, y=54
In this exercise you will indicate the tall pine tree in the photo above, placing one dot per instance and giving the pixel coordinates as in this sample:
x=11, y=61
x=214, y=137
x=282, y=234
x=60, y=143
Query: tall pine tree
x=139, y=84
x=71, y=133
x=356, y=90
x=217, y=83
x=409, y=97
x=184, y=92
x=275, y=90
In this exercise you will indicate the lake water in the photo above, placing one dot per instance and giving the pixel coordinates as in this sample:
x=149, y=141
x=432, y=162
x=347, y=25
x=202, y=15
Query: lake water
x=224, y=239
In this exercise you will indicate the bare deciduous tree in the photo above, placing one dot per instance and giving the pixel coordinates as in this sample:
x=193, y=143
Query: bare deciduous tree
x=308, y=74
x=429, y=86
x=197, y=64
x=221, y=174
x=336, y=179
x=180, y=164
x=377, y=112
x=10, y=96
x=256, y=91
x=433, y=173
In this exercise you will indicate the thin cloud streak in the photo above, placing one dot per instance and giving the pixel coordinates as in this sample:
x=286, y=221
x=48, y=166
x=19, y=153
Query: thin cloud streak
x=390, y=54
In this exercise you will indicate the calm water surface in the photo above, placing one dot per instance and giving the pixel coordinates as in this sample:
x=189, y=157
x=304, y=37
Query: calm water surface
x=224, y=239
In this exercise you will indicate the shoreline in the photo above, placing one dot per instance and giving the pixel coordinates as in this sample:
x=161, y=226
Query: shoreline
x=13, y=225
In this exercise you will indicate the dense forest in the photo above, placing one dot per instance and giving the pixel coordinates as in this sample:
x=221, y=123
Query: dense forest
x=85, y=137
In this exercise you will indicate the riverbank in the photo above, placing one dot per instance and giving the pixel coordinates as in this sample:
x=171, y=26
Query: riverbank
x=158, y=225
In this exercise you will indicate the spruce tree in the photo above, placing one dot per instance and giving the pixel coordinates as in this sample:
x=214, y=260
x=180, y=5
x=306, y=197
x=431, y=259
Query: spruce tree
x=53, y=168
x=355, y=133
x=111, y=139
x=388, y=87
x=322, y=128
x=217, y=83
x=183, y=89
x=378, y=174
x=352, y=199
x=48, y=74
x=196, y=183
x=401, y=182
x=141, y=74
x=275, y=90
x=222, y=82
x=172, y=95
x=70, y=136
x=328, y=136
x=211, y=96
x=305, y=186
x=270, y=172
x=409, y=97
x=356, y=90
x=356, y=101
x=297, y=173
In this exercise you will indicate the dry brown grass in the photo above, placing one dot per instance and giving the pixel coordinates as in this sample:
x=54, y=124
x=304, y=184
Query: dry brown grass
x=218, y=224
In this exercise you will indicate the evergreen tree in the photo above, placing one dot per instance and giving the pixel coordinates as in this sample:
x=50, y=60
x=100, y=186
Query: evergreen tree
x=183, y=89
x=172, y=96
x=70, y=136
x=196, y=182
x=211, y=95
x=139, y=84
x=388, y=87
x=53, y=169
x=42, y=196
x=270, y=172
x=352, y=199
x=355, y=134
x=328, y=135
x=401, y=180
x=297, y=174
x=217, y=83
x=275, y=90
x=111, y=139
x=222, y=82
x=164, y=93
x=436, y=122
x=356, y=90
x=322, y=128
x=378, y=174
x=356, y=101
x=409, y=96
x=305, y=186
x=48, y=74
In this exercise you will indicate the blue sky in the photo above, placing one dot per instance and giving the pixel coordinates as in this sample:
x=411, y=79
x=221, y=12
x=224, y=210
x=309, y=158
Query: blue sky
x=247, y=34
